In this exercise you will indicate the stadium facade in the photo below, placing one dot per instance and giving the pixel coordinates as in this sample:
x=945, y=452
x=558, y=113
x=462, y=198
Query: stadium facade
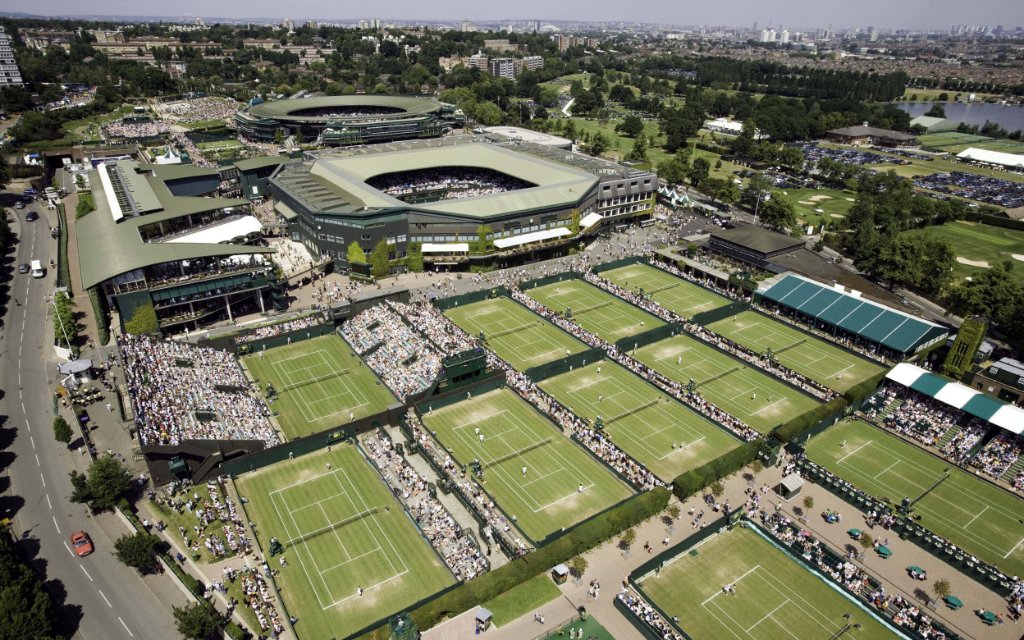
x=554, y=199
x=344, y=120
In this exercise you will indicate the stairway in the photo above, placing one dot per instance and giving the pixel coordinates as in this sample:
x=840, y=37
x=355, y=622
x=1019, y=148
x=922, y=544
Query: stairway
x=949, y=435
x=1013, y=470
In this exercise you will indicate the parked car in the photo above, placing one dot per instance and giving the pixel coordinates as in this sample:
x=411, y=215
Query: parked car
x=23, y=267
x=19, y=205
x=31, y=216
x=82, y=544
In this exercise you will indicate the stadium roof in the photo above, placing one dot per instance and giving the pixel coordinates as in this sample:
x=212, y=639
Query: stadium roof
x=529, y=135
x=249, y=164
x=959, y=396
x=992, y=157
x=533, y=236
x=837, y=307
x=108, y=248
x=283, y=109
x=758, y=239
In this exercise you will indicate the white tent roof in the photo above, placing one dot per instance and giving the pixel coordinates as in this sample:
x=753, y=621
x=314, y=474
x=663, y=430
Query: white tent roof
x=992, y=157
x=535, y=236
x=223, y=232
x=451, y=247
x=590, y=220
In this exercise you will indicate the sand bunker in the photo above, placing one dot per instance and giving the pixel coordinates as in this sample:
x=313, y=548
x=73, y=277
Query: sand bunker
x=836, y=215
x=819, y=197
x=1017, y=256
x=972, y=263
x=850, y=200
x=805, y=202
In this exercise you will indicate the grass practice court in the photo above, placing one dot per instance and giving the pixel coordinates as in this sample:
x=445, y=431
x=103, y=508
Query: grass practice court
x=758, y=399
x=675, y=294
x=815, y=358
x=595, y=310
x=342, y=530
x=321, y=383
x=519, y=336
x=562, y=484
x=667, y=437
x=775, y=596
x=972, y=513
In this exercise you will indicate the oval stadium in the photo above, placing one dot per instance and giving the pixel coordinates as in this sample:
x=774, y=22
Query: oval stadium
x=341, y=120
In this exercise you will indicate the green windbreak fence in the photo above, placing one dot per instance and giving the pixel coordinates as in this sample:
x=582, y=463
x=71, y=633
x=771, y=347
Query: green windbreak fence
x=714, y=315
x=445, y=304
x=615, y=264
x=546, y=280
x=564, y=365
x=285, y=338
x=648, y=337
x=440, y=401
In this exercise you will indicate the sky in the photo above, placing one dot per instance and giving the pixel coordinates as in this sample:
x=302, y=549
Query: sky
x=792, y=14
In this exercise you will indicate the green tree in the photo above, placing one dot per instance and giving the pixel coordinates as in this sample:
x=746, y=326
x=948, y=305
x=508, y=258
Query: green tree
x=138, y=551
x=278, y=137
x=699, y=171
x=197, y=621
x=25, y=608
x=61, y=430
x=942, y=588
x=356, y=254
x=778, y=212
x=937, y=111
x=598, y=144
x=414, y=257
x=379, y=263
x=672, y=170
x=65, y=329
x=639, y=151
x=578, y=566
x=102, y=485
x=632, y=126
x=143, y=321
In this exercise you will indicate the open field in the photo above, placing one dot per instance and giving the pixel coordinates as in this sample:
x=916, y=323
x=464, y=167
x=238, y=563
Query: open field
x=646, y=423
x=516, y=334
x=522, y=599
x=342, y=531
x=595, y=310
x=834, y=205
x=561, y=484
x=321, y=383
x=675, y=294
x=775, y=596
x=219, y=145
x=979, y=243
x=743, y=392
x=954, y=142
x=815, y=358
x=970, y=512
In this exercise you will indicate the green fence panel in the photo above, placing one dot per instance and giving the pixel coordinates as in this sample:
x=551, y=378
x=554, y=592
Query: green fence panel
x=714, y=315
x=615, y=264
x=564, y=365
x=445, y=304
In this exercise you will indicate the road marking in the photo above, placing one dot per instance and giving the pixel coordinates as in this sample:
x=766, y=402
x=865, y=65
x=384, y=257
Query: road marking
x=126, y=627
x=50, y=504
x=19, y=378
x=37, y=460
x=42, y=479
x=68, y=548
x=26, y=422
x=105, y=598
x=55, y=524
x=85, y=572
x=23, y=407
x=33, y=441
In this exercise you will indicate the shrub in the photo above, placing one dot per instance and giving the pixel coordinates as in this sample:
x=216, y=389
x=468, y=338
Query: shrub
x=697, y=479
x=797, y=427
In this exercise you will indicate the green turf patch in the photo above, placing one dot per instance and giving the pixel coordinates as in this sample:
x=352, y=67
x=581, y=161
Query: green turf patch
x=760, y=400
x=817, y=359
x=775, y=596
x=522, y=599
x=302, y=502
x=649, y=425
x=597, y=311
x=321, y=384
x=675, y=294
x=506, y=435
x=516, y=334
x=979, y=243
x=972, y=513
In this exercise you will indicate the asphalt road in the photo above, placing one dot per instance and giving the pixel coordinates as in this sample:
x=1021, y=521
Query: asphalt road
x=101, y=597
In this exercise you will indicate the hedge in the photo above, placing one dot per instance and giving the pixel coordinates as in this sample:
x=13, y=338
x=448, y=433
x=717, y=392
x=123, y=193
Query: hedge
x=707, y=474
x=235, y=632
x=864, y=389
x=580, y=540
x=802, y=424
x=995, y=221
x=99, y=309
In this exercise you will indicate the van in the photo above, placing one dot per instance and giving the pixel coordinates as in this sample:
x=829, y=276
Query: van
x=37, y=269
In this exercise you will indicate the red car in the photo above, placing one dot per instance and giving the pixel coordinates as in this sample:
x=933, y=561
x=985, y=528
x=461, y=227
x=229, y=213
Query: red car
x=81, y=542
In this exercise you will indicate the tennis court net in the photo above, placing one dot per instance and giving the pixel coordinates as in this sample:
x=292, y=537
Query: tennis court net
x=505, y=332
x=515, y=454
x=718, y=376
x=671, y=285
x=624, y=414
x=593, y=307
x=791, y=346
x=305, y=383
x=333, y=527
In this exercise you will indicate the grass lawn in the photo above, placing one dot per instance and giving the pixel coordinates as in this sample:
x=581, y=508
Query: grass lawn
x=513, y=436
x=589, y=628
x=204, y=124
x=834, y=205
x=188, y=519
x=941, y=165
x=666, y=436
x=342, y=530
x=776, y=597
x=979, y=243
x=675, y=294
x=744, y=392
x=815, y=358
x=321, y=383
x=522, y=599
x=518, y=335
x=595, y=310
x=972, y=513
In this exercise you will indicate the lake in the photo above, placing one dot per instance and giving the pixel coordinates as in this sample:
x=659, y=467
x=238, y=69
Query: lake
x=1007, y=116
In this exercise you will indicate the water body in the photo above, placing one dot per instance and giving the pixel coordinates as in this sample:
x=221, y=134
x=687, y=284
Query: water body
x=1007, y=116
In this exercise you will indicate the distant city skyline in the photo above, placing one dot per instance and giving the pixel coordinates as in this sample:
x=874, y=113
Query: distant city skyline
x=793, y=14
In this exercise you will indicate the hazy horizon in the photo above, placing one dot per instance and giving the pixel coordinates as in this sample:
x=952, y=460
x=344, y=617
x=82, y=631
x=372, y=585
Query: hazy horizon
x=793, y=14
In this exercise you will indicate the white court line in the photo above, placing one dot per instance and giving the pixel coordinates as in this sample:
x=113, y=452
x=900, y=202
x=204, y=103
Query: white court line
x=1010, y=552
x=302, y=562
x=748, y=572
x=769, y=614
x=975, y=517
x=854, y=451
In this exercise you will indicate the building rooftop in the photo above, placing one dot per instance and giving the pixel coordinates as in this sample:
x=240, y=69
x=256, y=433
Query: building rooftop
x=757, y=238
x=529, y=135
x=289, y=109
x=863, y=131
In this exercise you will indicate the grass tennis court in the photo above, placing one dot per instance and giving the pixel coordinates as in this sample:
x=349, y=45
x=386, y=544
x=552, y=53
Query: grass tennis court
x=675, y=294
x=978, y=243
x=595, y=310
x=775, y=596
x=506, y=434
x=321, y=383
x=813, y=357
x=744, y=392
x=518, y=335
x=972, y=513
x=342, y=530
x=667, y=437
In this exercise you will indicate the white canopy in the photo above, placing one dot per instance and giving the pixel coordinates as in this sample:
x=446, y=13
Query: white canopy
x=590, y=219
x=992, y=157
x=450, y=247
x=535, y=236
x=223, y=232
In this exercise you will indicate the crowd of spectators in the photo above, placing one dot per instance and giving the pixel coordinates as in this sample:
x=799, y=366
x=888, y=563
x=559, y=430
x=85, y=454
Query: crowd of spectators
x=194, y=154
x=458, y=549
x=442, y=332
x=181, y=391
x=813, y=153
x=280, y=328
x=403, y=359
x=258, y=597
x=447, y=184
x=121, y=129
x=647, y=614
x=200, y=109
x=912, y=415
x=219, y=527
x=1001, y=193
x=999, y=454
